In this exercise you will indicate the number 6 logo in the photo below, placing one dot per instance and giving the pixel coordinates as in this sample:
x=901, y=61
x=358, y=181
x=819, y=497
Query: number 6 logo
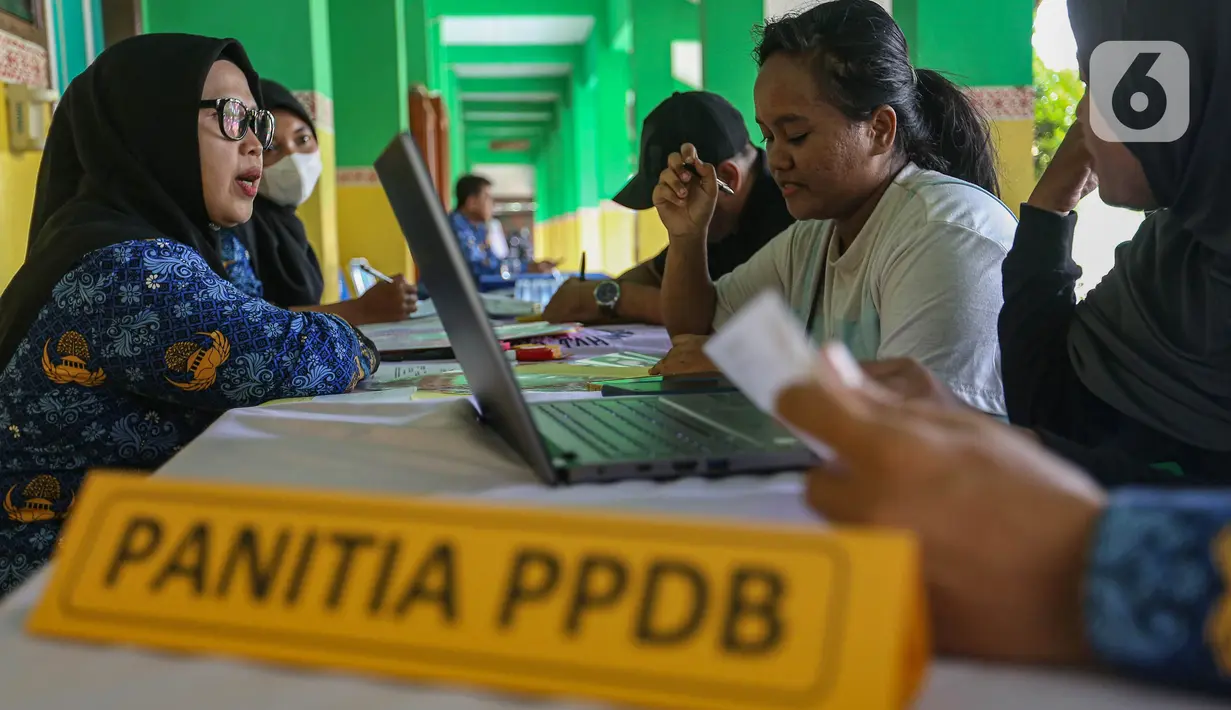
x=1139, y=92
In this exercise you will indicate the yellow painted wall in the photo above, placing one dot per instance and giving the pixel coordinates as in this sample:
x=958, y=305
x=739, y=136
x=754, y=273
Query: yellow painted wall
x=615, y=239
x=651, y=235
x=619, y=238
x=320, y=216
x=1014, y=146
x=18, y=175
x=558, y=239
x=367, y=227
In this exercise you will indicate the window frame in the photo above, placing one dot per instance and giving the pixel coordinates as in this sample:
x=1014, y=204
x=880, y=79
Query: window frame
x=35, y=32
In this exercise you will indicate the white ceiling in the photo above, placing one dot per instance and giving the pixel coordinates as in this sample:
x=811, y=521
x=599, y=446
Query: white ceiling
x=511, y=71
x=510, y=96
x=507, y=116
x=516, y=29
x=686, y=63
x=516, y=181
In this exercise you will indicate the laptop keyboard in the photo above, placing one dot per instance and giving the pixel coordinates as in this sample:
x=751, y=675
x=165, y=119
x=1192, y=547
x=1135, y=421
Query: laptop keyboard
x=648, y=427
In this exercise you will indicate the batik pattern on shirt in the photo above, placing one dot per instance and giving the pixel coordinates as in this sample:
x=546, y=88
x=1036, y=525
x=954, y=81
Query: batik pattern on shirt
x=1157, y=603
x=137, y=351
x=472, y=239
x=238, y=262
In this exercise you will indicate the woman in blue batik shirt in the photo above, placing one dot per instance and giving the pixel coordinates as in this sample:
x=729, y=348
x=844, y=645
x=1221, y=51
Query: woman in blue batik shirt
x=121, y=338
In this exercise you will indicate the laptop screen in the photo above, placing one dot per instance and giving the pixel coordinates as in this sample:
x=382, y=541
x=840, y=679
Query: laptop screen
x=417, y=207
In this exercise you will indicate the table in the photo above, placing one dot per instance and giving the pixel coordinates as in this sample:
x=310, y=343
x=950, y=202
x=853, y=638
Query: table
x=436, y=448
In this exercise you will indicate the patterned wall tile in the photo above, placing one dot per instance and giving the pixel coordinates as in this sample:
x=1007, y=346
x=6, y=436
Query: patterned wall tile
x=23, y=62
x=357, y=176
x=320, y=108
x=1004, y=103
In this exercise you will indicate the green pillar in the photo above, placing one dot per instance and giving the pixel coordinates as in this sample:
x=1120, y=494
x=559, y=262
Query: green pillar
x=617, y=154
x=371, y=70
x=420, y=50
x=290, y=42
x=370, y=73
x=588, y=230
x=459, y=158
x=990, y=53
x=653, y=32
x=727, y=66
x=585, y=123
x=287, y=40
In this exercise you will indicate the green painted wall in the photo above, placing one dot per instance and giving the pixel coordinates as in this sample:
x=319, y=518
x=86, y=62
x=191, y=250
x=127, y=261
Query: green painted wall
x=287, y=40
x=617, y=158
x=371, y=100
x=980, y=48
x=420, y=50
x=727, y=42
x=585, y=123
x=654, y=26
x=68, y=22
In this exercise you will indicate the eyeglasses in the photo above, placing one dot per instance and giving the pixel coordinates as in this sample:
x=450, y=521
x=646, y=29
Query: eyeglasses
x=234, y=120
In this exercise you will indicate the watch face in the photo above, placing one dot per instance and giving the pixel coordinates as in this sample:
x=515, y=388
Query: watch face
x=607, y=293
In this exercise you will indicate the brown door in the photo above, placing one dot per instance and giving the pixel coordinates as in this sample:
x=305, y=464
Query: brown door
x=423, y=126
x=443, y=167
x=121, y=20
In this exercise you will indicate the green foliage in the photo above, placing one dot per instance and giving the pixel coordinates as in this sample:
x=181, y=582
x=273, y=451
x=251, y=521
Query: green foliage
x=1056, y=94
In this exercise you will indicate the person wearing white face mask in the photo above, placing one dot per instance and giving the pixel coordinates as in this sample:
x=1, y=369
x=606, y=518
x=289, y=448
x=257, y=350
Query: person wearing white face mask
x=270, y=256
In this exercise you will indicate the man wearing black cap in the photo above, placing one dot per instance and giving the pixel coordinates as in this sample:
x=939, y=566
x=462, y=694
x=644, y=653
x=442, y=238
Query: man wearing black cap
x=743, y=222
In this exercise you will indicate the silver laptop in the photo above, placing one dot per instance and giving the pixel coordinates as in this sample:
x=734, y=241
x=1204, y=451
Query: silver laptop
x=573, y=441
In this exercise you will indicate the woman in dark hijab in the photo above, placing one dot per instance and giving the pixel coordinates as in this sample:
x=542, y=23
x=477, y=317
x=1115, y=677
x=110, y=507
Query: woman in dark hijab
x=270, y=255
x=120, y=337
x=1134, y=382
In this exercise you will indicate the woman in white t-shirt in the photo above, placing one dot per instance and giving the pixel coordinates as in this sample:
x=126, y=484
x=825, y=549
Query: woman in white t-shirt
x=891, y=172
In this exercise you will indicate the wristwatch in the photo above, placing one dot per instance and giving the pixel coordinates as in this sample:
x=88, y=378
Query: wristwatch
x=607, y=295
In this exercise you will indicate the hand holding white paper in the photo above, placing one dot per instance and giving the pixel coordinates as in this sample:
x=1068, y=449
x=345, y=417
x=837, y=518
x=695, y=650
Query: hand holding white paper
x=763, y=350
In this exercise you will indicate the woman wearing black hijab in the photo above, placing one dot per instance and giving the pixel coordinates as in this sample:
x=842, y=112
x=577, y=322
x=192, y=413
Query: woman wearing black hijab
x=270, y=256
x=1134, y=382
x=120, y=337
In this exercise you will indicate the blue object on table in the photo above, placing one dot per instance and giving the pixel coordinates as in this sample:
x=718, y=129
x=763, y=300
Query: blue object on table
x=343, y=287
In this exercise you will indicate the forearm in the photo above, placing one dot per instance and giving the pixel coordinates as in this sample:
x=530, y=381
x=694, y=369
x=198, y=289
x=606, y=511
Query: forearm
x=350, y=311
x=688, y=294
x=644, y=274
x=640, y=303
x=345, y=310
x=1040, y=264
x=1039, y=281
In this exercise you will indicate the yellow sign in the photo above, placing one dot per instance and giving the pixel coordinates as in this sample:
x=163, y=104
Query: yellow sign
x=680, y=613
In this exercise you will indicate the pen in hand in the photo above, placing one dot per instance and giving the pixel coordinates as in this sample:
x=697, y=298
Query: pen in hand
x=721, y=185
x=374, y=273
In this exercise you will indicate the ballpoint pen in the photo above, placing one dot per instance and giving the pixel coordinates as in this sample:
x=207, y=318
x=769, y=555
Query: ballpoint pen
x=582, y=275
x=721, y=185
x=374, y=273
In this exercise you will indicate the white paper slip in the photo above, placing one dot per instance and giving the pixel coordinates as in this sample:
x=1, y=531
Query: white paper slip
x=393, y=371
x=505, y=307
x=427, y=309
x=763, y=351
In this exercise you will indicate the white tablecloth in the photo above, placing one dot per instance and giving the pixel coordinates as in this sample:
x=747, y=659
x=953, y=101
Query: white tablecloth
x=436, y=448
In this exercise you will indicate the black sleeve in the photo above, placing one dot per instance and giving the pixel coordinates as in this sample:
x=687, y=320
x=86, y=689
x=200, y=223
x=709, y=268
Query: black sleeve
x=1112, y=468
x=1040, y=279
